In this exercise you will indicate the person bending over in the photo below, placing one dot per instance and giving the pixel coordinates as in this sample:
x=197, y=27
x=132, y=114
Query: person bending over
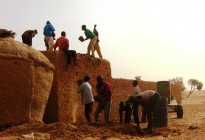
x=149, y=100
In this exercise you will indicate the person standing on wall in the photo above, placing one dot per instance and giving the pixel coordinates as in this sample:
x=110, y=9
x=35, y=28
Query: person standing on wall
x=87, y=97
x=27, y=36
x=97, y=47
x=63, y=44
x=93, y=39
x=105, y=102
x=49, y=35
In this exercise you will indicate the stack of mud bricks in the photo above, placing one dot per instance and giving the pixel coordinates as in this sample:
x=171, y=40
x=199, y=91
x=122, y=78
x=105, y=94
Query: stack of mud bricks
x=64, y=104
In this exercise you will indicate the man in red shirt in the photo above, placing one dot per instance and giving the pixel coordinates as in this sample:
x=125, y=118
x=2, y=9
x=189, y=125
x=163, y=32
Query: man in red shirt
x=63, y=44
x=104, y=90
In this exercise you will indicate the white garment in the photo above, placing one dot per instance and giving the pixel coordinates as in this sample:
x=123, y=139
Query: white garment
x=86, y=90
x=136, y=90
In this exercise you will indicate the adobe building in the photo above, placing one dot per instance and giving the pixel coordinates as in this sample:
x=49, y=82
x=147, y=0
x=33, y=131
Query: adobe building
x=64, y=105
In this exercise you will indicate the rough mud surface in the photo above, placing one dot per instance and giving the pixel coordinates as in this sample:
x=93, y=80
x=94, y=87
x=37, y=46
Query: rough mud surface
x=178, y=129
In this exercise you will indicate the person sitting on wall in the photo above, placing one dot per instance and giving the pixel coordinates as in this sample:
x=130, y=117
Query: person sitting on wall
x=63, y=44
x=149, y=100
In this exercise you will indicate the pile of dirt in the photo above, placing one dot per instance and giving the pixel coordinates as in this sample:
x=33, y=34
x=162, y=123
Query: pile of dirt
x=87, y=131
x=177, y=129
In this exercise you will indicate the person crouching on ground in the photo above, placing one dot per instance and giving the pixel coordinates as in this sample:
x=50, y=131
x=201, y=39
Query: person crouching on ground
x=149, y=100
x=86, y=93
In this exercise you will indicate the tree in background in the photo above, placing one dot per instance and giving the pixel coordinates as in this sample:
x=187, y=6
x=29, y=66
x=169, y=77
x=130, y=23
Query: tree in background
x=178, y=81
x=195, y=85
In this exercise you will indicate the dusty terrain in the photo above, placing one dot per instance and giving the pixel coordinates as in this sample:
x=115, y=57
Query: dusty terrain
x=178, y=129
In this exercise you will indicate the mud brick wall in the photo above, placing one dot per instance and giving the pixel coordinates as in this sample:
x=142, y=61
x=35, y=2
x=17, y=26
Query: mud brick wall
x=122, y=89
x=64, y=104
x=26, y=77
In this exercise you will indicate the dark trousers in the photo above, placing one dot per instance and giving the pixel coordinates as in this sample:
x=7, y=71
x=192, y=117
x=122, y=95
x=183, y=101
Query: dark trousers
x=128, y=113
x=27, y=40
x=73, y=55
x=121, y=109
x=70, y=54
x=88, y=110
x=135, y=114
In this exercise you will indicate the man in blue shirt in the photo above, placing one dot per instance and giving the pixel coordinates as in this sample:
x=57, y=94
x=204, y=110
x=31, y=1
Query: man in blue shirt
x=49, y=35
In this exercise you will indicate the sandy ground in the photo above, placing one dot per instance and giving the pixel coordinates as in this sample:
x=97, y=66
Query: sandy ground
x=178, y=129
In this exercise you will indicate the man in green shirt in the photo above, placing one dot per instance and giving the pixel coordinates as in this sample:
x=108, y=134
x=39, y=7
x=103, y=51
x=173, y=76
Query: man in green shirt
x=93, y=40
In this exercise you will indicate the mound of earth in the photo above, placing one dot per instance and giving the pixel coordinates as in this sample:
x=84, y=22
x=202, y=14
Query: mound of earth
x=178, y=129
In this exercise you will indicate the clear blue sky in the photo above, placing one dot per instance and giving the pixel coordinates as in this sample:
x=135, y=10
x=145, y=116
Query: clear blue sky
x=156, y=39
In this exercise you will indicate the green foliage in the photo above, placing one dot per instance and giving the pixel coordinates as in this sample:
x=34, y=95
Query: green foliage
x=199, y=86
x=195, y=85
x=178, y=81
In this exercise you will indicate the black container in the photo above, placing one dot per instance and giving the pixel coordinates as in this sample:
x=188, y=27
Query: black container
x=160, y=114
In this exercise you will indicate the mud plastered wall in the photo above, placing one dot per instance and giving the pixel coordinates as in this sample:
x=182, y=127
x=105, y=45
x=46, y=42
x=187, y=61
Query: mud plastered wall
x=26, y=77
x=64, y=105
